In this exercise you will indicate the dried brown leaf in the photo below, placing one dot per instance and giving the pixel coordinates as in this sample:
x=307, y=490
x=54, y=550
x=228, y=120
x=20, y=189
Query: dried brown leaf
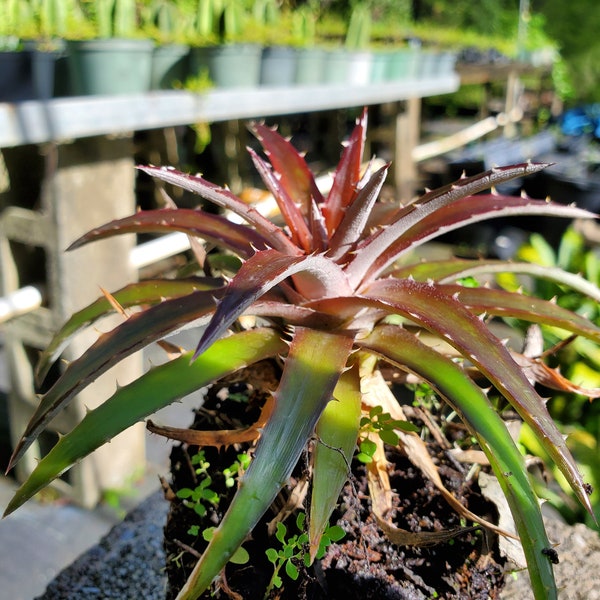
x=220, y=438
x=377, y=393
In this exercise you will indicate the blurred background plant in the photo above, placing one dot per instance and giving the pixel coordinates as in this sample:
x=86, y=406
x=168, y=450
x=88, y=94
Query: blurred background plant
x=578, y=359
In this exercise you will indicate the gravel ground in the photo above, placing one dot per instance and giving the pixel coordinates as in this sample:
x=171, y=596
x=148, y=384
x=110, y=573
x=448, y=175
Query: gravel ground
x=127, y=563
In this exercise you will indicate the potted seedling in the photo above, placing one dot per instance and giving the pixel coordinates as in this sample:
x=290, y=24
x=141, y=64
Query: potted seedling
x=350, y=61
x=310, y=58
x=335, y=299
x=44, y=33
x=164, y=22
x=109, y=55
x=358, y=39
x=15, y=67
x=279, y=57
x=222, y=44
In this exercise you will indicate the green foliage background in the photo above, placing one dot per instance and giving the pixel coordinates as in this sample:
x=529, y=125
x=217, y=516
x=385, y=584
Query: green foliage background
x=575, y=26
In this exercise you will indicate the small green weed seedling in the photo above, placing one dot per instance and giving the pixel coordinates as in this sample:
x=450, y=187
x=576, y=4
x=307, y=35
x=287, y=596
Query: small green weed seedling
x=199, y=496
x=294, y=549
x=379, y=423
x=424, y=396
x=236, y=469
x=202, y=494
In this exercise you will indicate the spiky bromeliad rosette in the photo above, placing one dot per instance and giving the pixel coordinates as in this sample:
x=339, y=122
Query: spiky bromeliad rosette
x=336, y=292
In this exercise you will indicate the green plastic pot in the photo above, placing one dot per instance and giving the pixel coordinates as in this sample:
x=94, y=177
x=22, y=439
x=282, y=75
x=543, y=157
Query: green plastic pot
x=109, y=66
x=360, y=64
x=310, y=66
x=337, y=65
x=428, y=64
x=380, y=66
x=169, y=64
x=403, y=64
x=229, y=66
x=278, y=66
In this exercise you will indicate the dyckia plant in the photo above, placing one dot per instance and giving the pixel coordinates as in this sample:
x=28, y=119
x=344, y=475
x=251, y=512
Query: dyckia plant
x=336, y=292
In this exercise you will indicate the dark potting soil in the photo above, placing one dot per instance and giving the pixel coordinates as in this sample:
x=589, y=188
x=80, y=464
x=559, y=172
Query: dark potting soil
x=364, y=564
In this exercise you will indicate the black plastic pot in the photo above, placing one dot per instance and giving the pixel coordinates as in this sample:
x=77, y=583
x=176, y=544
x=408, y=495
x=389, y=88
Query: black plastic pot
x=16, y=83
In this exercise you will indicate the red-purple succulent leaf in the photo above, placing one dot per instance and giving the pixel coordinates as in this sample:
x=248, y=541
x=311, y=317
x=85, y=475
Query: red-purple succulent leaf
x=295, y=220
x=404, y=350
x=155, y=389
x=318, y=228
x=314, y=275
x=196, y=246
x=442, y=314
x=240, y=239
x=346, y=176
x=408, y=216
x=382, y=249
x=225, y=199
x=431, y=307
x=396, y=223
x=357, y=214
x=149, y=291
x=296, y=178
x=311, y=370
x=468, y=186
x=292, y=314
x=485, y=206
x=528, y=308
x=139, y=330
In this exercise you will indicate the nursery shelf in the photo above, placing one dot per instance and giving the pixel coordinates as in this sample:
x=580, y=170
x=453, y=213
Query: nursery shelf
x=63, y=119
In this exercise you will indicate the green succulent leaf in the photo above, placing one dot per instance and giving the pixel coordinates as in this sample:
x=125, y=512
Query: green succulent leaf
x=311, y=371
x=405, y=351
x=157, y=388
x=139, y=330
x=149, y=291
x=337, y=431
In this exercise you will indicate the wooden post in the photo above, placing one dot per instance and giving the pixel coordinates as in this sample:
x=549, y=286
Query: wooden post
x=87, y=183
x=512, y=105
x=408, y=132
